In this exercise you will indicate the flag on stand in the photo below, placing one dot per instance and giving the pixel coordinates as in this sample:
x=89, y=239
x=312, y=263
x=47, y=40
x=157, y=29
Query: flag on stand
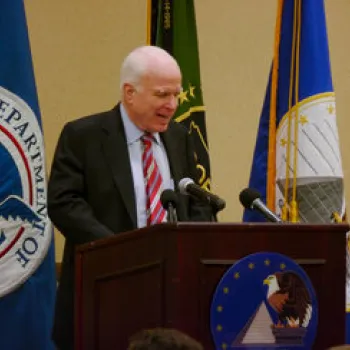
x=297, y=163
x=172, y=26
x=27, y=265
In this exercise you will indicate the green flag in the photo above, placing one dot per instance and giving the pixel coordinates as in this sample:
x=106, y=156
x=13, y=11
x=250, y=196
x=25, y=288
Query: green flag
x=173, y=28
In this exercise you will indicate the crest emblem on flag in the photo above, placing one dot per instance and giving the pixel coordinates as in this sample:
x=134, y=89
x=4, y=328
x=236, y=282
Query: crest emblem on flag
x=320, y=177
x=25, y=229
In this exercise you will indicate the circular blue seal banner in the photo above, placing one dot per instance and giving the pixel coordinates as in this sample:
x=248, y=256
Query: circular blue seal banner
x=264, y=301
x=25, y=228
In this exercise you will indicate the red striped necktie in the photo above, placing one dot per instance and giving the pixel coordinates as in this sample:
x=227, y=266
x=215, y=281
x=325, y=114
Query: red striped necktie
x=153, y=182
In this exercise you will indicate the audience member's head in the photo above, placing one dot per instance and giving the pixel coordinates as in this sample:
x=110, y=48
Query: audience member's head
x=163, y=339
x=340, y=347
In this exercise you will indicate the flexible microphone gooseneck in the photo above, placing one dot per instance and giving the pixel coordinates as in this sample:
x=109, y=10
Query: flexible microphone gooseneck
x=251, y=199
x=188, y=187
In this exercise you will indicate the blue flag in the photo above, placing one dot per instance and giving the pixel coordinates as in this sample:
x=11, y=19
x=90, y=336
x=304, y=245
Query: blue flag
x=27, y=265
x=297, y=164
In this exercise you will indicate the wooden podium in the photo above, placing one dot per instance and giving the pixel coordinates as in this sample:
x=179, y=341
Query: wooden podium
x=165, y=276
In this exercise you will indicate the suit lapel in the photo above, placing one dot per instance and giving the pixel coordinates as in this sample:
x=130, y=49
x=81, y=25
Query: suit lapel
x=170, y=144
x=117, y=155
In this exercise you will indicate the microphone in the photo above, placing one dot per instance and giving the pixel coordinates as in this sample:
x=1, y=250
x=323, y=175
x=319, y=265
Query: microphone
x=169, y=200
x=251, y=199
x=188, y=187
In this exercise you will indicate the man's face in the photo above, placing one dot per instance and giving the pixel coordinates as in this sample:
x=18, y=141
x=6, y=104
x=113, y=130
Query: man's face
x=153, y=102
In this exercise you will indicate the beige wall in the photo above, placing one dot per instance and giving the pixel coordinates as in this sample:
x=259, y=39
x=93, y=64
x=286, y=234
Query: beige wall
x=78, y=46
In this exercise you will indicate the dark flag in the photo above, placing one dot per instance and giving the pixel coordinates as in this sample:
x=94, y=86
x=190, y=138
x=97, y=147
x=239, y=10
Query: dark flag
x=172, y=27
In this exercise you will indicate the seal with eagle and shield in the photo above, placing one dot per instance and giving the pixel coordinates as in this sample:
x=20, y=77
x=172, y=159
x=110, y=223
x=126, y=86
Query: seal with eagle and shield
x=264, y=301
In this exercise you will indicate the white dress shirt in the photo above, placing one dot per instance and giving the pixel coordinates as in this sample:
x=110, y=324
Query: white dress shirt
x=135, y=147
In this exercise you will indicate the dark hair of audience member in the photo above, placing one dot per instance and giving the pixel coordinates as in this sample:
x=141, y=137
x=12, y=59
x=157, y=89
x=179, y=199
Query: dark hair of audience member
x=163, y=339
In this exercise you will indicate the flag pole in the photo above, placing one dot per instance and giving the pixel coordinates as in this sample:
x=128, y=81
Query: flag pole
x=271, y=173
x=149, y=21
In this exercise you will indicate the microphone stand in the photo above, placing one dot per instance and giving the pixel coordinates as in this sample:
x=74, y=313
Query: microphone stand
x=214, y=212
x=172, y=217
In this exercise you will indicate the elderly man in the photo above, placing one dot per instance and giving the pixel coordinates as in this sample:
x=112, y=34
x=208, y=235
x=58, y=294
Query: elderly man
x=110, y=168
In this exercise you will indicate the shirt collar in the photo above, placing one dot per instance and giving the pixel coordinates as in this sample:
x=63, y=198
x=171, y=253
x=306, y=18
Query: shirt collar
x=132, y=132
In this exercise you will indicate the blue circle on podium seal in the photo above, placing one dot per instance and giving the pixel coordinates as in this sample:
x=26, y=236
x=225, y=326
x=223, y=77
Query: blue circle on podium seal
x=264, y=301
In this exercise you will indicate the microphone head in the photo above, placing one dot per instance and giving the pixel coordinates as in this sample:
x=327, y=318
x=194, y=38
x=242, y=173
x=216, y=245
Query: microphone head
x=168, y=197
x=183, y=183
x=248, y=196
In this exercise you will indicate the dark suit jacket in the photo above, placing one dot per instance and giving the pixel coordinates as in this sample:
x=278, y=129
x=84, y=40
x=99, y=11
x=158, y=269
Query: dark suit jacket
x=91, y=193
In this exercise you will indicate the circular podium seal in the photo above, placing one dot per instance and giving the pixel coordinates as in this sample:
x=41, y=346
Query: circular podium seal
x=264, y=301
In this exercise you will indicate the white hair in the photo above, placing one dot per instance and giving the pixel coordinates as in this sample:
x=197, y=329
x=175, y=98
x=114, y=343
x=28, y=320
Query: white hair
x=140, y=61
